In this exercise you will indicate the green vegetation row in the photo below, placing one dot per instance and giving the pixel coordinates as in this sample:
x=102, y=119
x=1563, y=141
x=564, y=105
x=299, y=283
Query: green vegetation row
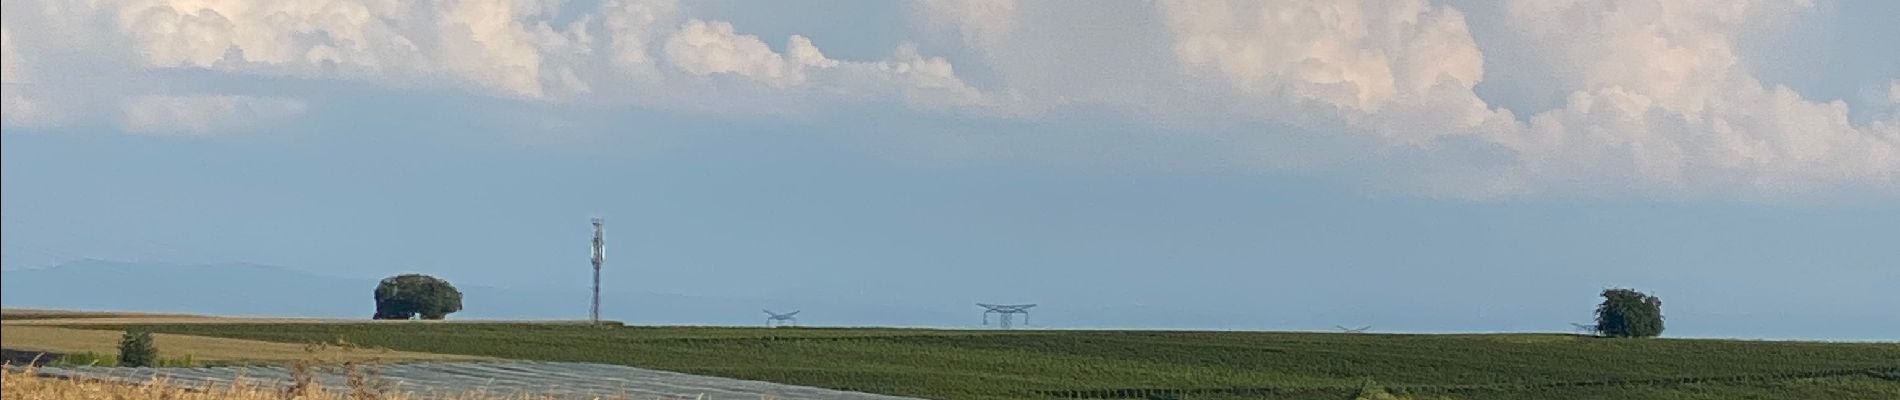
x=1140, y=364
x=91, y=359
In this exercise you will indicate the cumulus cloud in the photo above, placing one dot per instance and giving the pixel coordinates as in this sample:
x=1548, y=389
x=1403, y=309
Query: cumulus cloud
x=1656, y=99
x=15, y=107
x=1893, y=92
x=9, y=60
x=205, y=115
x=985, y=23
x=1402, y=68
x=632, y=27
x=702, y=48
x=511, y=48
x=1649, y=97
x=1659, y=98
x=635, y=52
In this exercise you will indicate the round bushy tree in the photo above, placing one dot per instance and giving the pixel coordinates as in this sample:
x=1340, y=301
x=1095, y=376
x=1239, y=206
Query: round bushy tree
x=410, y=295
x=1629, y=313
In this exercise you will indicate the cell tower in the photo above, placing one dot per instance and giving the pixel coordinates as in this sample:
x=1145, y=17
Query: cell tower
x=774, y=320
x=600, y=256
x=1005, y=312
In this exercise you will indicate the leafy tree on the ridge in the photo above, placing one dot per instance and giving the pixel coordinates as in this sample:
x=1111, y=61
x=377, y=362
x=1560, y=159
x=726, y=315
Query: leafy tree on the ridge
x=1629, y=313
x=410, y=295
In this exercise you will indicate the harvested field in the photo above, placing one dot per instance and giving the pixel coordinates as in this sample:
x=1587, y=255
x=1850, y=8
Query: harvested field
x=31, y=384
x=194, y=319
x=25, y=314
x=201, y=348
x=502, y=379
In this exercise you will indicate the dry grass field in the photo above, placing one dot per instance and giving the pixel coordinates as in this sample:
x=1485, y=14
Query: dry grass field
x=23, y=314
x=24, y=384
x=200, y=348
x=38, y=317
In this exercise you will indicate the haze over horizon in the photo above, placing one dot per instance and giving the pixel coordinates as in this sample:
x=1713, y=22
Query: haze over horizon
x=1408, y=164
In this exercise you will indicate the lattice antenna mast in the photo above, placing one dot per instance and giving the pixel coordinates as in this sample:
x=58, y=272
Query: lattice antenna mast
x=600, y=256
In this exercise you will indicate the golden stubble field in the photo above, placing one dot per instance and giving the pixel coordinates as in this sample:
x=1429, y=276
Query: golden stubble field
x=53, y=331
x=25, y=384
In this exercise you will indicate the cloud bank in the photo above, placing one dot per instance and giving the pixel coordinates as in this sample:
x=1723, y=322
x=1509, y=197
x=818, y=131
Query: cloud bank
x=634, y=52
x=1656, y=99
x=1653, y=97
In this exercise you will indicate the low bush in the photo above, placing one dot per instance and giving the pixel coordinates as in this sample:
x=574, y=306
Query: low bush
x=137, y=350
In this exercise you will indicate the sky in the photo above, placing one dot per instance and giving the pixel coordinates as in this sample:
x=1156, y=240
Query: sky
x=1420, y=166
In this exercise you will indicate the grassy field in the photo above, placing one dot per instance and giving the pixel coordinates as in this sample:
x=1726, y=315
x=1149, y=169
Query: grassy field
x=1145, y=364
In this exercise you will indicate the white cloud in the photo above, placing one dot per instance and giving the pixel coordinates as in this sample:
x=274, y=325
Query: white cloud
x=984, y=23
x=21, y=97
x=708, y=49
x=1658, y=100
x=633, y=52
x=632, y=27
x=10, y=64
x=1654, y=98
x=205, y=115
x=495, y=45
x=702, y=48
x=1403, y=68
x=1893, y=93
x=509, y=48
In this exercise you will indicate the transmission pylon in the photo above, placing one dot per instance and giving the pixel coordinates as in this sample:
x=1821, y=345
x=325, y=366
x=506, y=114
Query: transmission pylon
x=774, y=320
x=1005, y=313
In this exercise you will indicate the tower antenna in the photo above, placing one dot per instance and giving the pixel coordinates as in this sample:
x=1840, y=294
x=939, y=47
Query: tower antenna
x=600, y=256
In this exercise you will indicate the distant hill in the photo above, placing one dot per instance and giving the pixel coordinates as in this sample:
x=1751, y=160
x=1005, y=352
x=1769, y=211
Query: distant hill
x=239, y=289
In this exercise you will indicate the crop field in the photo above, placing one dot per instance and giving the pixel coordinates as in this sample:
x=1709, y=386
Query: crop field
x=1150, y=364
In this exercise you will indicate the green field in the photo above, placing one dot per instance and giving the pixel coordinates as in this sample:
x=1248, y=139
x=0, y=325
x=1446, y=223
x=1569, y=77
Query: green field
x=1149, y=364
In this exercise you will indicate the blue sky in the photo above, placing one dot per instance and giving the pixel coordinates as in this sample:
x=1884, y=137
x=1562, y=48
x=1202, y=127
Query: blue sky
x=1417, y=166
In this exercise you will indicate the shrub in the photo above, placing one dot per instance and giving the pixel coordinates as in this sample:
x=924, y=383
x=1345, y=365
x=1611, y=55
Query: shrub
x=85, y=359
x=410, y=295
x=136, y=350
x=1629, y=313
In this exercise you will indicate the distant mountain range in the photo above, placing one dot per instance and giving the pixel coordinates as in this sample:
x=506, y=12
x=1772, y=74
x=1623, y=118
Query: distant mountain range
x=240, y=289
